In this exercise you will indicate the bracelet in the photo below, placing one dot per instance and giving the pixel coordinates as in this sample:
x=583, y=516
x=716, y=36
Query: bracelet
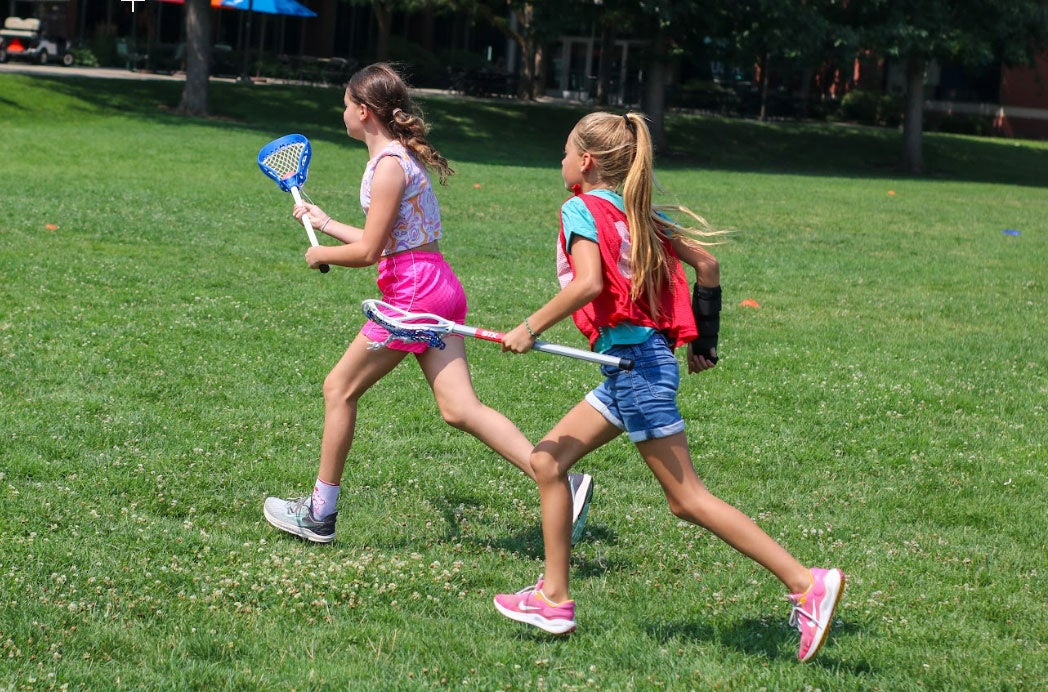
x=324, y=225
x=528, y=327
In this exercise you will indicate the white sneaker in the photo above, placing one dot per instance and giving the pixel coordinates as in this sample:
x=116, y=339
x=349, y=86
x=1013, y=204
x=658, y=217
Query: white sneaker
x=581, y=494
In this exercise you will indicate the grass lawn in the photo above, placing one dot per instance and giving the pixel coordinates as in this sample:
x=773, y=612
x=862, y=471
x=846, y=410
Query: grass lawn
x=162, y=349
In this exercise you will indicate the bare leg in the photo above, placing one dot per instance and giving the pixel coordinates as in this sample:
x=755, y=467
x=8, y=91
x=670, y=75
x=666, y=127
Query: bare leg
x=670, y=461
x=579, y=432
x=448, y=374
x=355, y=372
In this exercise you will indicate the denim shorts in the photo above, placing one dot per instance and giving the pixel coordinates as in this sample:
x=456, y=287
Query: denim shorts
x=641, y=401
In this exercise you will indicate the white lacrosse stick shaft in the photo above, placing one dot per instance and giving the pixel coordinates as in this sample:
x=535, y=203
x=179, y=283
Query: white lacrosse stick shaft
x=544, y=346
x=382, y=313
x=306, y=222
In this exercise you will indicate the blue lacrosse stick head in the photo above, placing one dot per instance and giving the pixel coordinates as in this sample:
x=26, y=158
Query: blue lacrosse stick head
x=286, y=161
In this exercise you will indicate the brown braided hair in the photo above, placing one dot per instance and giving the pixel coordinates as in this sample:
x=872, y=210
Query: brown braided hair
x=384, y=91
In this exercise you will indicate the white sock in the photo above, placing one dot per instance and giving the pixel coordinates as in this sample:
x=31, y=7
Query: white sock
x=324, y=498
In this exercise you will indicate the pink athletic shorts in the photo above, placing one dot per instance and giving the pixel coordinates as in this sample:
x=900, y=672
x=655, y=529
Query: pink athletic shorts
x=418, y=282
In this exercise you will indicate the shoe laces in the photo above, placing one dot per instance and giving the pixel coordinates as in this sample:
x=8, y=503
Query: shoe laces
x=297, y=504
x=797, y=613
x=534, y=588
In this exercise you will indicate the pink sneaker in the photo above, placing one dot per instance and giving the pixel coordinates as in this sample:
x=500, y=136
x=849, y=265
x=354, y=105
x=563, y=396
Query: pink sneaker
x=813, y=611
x=530, y=606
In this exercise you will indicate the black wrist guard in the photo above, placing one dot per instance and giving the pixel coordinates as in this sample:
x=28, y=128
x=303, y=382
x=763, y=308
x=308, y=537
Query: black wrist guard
x=706, y=305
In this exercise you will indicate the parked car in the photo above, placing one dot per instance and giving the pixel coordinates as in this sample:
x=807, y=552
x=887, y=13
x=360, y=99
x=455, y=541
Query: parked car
x=24, y=39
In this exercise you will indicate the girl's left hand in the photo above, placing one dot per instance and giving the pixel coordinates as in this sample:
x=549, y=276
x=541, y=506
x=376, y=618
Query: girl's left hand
x=698, y=362
x=518, y=340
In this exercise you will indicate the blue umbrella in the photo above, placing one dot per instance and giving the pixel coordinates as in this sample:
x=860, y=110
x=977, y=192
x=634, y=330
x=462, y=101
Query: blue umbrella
x=279, y=7
x=284, y=7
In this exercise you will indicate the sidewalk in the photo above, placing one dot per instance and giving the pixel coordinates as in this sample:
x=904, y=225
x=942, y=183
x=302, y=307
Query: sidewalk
x=120, y=73
x=15, y=67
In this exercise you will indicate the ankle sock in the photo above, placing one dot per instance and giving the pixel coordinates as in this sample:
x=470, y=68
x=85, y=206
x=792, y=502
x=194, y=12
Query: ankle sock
x=550, y=601
x=325, y=497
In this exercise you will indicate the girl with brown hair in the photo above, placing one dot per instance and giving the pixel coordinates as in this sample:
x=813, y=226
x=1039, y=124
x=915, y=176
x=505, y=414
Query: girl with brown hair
x=400, y=234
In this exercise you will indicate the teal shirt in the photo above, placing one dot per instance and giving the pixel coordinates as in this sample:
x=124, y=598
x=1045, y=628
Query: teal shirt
x=579, y=222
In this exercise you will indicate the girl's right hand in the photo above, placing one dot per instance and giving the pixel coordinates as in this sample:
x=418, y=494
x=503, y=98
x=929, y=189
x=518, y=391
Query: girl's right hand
x=317, y=217
x=518, y=340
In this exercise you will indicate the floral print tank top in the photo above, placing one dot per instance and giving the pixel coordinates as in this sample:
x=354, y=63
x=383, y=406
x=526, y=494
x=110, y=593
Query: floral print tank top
x=418, y=221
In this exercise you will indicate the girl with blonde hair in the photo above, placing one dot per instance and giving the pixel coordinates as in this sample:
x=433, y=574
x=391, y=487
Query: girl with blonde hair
x=619, y=265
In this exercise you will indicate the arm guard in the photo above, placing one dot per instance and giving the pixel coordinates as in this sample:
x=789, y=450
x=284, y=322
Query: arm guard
x=706, y=305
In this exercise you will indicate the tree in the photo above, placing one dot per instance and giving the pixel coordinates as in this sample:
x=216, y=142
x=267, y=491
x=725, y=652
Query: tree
x=966, y=32
x=526, y=23
x=198, y=58
x=383, y=11
x=781, y=35
x=671, y=27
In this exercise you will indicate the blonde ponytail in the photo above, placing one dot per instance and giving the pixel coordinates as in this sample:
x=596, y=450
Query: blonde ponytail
x=623, y=153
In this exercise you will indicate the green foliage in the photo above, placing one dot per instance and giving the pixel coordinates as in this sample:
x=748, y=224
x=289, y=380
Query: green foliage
x=960, y=123
x=871, y=108
x=84, y=57
x=971, y=32
x=707, y=95
x=163, y=347
x=424, y=68
x=102, y=45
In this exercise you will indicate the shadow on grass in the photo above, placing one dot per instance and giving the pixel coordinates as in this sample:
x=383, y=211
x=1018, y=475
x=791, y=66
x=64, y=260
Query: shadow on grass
x=528, y=542
x=499, y=131
x=754, y=637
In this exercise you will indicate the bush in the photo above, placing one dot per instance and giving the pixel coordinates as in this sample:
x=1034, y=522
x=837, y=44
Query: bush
x=871, y=108
x=84, y=57
x=960, y=124
x=823, y=108
x=422, y=67
x=707, y=95
x=860, y=106
x=456, y=60
x=103, y=46
x=485, y=82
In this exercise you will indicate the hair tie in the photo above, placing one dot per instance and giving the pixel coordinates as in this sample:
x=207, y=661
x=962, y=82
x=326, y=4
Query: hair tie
x=395, y=111
x=629, y=123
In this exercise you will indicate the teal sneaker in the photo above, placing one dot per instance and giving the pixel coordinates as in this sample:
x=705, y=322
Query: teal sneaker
x=581, y=494
x=296, y=517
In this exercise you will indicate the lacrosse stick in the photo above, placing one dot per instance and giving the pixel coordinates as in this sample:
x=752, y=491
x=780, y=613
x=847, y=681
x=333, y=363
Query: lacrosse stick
x=426, y=328
x=286, y=160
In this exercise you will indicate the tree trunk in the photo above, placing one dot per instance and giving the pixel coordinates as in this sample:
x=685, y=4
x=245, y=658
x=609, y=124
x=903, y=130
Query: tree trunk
x=526, y=41
x=429, y=20
x=198, y=58
x=765, y=81
x=383, y=12
x=539, y=79
x=912, y=124
x=607, y=45
x=804, y=107
x=655, y=87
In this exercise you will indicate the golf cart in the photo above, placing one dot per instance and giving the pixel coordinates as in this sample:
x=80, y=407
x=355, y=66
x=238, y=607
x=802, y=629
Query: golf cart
x=23, y=39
